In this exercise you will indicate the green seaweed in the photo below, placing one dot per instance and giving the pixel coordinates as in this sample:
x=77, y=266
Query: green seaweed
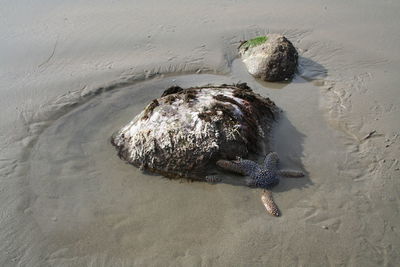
x=254, y=42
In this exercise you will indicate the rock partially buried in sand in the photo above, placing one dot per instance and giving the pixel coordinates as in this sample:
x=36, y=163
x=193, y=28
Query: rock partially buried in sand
x=271, y=58
x=185, y=131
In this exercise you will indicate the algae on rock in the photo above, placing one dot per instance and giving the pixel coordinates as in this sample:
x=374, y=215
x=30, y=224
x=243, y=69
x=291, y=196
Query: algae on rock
x=254, y=42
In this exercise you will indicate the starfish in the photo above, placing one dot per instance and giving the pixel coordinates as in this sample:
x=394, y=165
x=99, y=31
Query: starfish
x=265, y=176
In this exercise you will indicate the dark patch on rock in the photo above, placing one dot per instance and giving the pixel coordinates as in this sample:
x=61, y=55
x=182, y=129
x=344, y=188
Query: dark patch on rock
x=189, y=95
x=149, y=109
x=172, y=90
x=169, y=99
x=243, y=86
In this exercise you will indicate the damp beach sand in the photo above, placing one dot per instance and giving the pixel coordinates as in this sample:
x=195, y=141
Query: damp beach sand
x=72, y=73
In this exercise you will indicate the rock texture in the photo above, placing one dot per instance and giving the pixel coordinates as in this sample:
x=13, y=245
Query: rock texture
x=271, y=58
x=185, y=131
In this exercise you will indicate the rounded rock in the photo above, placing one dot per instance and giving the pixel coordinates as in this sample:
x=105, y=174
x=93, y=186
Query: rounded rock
x=271, y=58
x=185, y=131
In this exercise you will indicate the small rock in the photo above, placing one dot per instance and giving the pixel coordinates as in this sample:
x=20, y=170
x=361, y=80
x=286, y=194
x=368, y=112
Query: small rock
x=325, y=227
x=271, y=58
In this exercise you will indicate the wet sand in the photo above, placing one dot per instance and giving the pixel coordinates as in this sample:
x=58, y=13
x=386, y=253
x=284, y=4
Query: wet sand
x=73, y=73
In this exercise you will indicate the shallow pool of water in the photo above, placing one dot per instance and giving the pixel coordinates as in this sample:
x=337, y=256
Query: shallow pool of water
x=89, y=202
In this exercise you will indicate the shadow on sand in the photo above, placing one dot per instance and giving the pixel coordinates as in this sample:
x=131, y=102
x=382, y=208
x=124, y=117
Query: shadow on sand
x=310, y=70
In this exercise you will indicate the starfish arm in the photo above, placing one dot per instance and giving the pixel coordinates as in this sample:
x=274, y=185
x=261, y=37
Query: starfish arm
x=269, y=203
x=212, y=179
x=271, y=160
x=230, y=166
x=250, y=182
x=290, y=173
x=249, y=167
x=244, y=167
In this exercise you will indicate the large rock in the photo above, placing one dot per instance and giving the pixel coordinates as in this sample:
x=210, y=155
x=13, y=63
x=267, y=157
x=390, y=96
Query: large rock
x=183, y=133
x=271, y=58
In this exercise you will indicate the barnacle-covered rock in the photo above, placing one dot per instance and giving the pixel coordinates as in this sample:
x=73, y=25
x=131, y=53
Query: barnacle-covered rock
x=271, y=58
x=185, y=131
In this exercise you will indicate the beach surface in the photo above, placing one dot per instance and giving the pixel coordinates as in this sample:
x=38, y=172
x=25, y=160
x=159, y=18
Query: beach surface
x=74, y=72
